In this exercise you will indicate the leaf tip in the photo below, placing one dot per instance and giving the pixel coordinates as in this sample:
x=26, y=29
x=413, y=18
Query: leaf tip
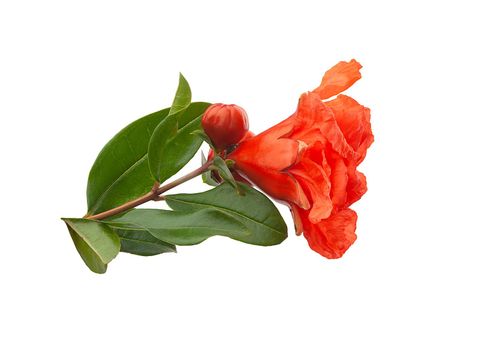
x=183, y=81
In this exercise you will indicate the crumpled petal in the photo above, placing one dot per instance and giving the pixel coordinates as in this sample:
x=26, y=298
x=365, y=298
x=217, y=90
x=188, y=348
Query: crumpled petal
x=314, y=120
x=339, y=78
x=313, y=179
x=354, y=120
x=333, y=236
x=339, y=180
x=357, y=185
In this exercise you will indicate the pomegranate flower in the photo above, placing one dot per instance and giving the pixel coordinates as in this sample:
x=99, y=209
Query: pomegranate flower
x=310, y=161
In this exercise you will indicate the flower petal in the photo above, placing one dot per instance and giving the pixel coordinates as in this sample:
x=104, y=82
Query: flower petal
x=298, y=226
x=357, y=185
x=339, y=78
x=339, y=180
x=354, y=120
x=263, y=158
x=273, y=154
x=279, y=185
x=333, y=236
x=313, y=179
x=279, y=130
x=314, y=122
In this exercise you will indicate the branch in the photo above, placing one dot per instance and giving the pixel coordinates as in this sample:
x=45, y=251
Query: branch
x=154, y=194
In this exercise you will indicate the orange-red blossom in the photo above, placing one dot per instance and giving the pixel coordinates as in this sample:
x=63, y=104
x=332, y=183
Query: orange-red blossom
x=309, y=161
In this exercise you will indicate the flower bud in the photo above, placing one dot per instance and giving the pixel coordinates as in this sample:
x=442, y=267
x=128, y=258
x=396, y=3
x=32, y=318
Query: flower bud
x=225, y=125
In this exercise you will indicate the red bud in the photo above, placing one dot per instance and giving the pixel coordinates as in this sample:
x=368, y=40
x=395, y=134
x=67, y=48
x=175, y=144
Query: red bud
x=225, y=125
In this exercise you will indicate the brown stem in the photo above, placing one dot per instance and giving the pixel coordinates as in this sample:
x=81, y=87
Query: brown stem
x=120, y=209
x=154, y=194
x=185, y=178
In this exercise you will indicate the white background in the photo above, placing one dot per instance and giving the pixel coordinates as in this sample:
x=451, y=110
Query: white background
x=72, y=74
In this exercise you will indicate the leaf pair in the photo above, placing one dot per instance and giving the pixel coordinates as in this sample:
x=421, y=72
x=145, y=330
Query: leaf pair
x=154, y=147
x=251, y=218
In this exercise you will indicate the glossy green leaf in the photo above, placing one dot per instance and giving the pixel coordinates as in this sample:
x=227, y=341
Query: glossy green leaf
x=207, y=176
x=163, y=133
x=202, y=135
x=225, y=173
x=97, y=243
x=120, y=172
x=182, y=97
x=253, y=209
x=141, y=242
x=168, y=128
x=183, y=146
x=170, y=148
x=182, y=228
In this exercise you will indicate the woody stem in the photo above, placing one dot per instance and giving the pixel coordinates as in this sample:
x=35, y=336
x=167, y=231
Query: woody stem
x=154, y=194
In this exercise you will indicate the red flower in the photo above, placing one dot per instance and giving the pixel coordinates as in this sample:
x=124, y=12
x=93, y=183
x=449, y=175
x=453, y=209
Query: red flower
x=309, y=161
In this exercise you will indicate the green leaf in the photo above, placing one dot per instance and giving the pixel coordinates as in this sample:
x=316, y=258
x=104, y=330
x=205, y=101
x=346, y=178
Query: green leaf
x=168, y=128
x=96, y=242
x=173, y=154
x=225, y=173
x=202, y=135
x=141, y=242
x=163, y=133
x=120, y=172
x=182, y=97
x=254, y=210
x=182, y=228
x=173, y=142
x=207, y=176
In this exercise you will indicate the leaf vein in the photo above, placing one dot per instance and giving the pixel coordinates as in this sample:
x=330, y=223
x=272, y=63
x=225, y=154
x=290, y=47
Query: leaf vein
x=229, y=211
x=105, y=192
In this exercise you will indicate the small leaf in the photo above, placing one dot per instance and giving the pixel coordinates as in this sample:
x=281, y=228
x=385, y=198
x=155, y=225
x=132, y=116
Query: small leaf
x=182, y=228
x=96, y=242
x=141, y=242
x=225, y=173
x=121, y=173
x=254, y=210
x=182, y=97
x=202, y=135
x=208, y=179
x=207, y=176
x=168, y=128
